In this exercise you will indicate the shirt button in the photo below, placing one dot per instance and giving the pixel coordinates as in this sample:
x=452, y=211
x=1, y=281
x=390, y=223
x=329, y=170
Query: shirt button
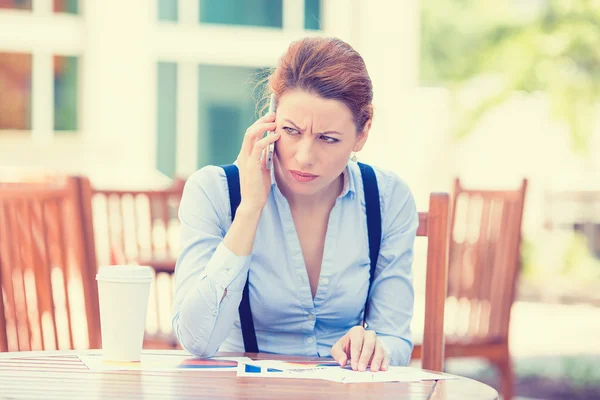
x=215, y=313
x=310, y=340
x=230, y=272
x=311, y=317
x=324, y=281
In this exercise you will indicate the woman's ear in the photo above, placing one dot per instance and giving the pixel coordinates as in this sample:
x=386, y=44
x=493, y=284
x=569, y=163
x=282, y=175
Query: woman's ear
x=362, y=137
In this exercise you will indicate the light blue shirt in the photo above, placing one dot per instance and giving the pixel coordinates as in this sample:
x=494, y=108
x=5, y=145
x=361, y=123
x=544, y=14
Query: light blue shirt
x=286, y=318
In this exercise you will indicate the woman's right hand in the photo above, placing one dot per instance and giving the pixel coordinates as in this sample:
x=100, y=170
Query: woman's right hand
x=255, y=178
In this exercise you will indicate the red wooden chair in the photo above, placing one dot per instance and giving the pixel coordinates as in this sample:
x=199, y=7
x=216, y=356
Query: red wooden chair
x=48, y=293
x=482, y=275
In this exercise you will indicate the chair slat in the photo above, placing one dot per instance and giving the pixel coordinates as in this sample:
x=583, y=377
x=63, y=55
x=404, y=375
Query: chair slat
x=436, y=281
x=3, y=326
x=63, y=256
x=48, y=269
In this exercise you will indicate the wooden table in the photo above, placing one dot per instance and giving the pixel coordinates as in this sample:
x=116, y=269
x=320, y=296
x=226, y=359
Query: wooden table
x=60, y=374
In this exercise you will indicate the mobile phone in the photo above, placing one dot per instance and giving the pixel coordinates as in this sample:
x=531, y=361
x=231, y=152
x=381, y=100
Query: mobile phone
x=270, y=148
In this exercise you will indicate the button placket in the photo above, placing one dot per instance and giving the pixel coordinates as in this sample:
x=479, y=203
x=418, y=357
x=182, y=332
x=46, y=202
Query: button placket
x=297, y=258
x=333, y=227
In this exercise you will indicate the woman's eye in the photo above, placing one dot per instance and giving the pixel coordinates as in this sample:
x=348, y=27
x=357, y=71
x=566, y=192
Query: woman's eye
x=289, y=130
x=328, y=139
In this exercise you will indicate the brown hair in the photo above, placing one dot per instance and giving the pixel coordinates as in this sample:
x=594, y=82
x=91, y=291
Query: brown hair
x=329, y=68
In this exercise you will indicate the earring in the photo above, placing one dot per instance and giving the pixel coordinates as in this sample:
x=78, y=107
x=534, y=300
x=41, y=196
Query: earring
x=354, y=158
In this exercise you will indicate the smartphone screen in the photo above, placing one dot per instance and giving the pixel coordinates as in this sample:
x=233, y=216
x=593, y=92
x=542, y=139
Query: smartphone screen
x=270, y=148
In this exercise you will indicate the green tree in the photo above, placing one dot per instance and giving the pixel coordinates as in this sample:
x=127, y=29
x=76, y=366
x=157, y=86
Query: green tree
x=549, y=46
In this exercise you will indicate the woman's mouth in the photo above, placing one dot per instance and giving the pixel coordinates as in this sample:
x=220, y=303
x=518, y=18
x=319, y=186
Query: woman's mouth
x=303, y=176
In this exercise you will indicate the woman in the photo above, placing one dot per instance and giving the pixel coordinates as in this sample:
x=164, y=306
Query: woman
x=299, y=237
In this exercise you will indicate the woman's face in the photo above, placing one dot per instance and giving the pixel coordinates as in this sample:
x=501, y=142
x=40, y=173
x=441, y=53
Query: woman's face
x=317, y=137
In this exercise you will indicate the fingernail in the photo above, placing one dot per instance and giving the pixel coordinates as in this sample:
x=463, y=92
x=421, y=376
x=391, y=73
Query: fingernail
x=384, y=367
x=362, y=367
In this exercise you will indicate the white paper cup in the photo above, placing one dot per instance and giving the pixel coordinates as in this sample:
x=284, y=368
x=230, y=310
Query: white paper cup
x=123, y=291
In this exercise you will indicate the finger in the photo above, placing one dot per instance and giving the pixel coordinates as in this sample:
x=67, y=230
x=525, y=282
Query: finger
x=338, y=353
x=356, y=344
x=370, y=339
x=378, y=357
x=386, y=361
x=254, y=133
x=266, y=118
x=263, y=160
x=260, y=145
x=257, y=131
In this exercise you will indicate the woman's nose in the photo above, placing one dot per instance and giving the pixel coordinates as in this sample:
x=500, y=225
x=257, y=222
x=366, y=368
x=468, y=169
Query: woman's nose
x=304, y=151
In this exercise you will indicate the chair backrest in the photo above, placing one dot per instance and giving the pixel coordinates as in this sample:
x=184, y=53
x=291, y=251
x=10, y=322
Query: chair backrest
x=484, y=262
x=140, y=227
x=434, y=224
x=48, y=295
x=137, y=226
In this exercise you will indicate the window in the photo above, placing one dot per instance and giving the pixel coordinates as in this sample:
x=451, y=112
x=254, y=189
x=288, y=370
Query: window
x=226, y=109
x=166, y=134
x=266, y=13
x=224, y=122
x=167, y=10
x=66, y=6
x=15, y=91
x=312, y=14
x=16, y=4
x=65, y=93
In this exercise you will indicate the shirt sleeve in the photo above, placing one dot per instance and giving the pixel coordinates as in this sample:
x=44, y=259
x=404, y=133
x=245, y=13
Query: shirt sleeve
x=392, y=294
x=205, y=266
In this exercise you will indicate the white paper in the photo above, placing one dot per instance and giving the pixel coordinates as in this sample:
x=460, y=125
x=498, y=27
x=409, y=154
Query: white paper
x=332, y=372
x=164, y=362
x=255, y=371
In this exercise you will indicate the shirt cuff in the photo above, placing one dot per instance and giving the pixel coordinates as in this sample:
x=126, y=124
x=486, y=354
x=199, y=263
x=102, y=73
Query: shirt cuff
x=399, y=350
x=225, y=267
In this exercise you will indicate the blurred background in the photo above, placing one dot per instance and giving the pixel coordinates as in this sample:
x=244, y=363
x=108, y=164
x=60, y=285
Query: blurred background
x=134, y=94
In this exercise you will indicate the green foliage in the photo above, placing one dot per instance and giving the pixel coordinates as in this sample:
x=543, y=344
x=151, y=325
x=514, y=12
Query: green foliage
x=578, y=261
x=550, y=46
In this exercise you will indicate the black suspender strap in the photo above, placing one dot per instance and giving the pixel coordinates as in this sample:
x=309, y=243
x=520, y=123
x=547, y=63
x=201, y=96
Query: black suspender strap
x=248, y=333
x=233, y=183
x=373, y=210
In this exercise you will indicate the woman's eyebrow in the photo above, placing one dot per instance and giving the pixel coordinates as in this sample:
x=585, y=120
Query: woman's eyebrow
x=295, y=126
x=331, y=133
x=319, y=133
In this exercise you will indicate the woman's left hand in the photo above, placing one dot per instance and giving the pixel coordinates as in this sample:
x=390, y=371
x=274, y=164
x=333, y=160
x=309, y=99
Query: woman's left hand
x=362, y=347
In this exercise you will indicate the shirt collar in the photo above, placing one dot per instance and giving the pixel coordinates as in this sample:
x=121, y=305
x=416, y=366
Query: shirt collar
x=349, y=187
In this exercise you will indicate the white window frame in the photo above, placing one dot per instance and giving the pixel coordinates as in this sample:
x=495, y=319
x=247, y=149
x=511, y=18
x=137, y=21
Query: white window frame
x=189, y=43
x=43, y=34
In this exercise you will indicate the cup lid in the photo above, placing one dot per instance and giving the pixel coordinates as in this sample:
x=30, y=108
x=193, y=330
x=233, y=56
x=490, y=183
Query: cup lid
x=124, y=273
